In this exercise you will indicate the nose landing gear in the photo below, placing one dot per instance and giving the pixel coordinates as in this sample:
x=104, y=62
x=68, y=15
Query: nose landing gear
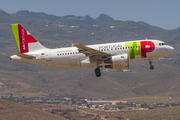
x=151, y=66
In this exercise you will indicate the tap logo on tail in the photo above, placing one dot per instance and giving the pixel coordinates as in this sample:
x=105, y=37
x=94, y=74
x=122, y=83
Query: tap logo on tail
x=23, y=38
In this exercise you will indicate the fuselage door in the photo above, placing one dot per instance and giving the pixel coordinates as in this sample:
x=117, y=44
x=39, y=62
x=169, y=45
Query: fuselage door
x=48, y=56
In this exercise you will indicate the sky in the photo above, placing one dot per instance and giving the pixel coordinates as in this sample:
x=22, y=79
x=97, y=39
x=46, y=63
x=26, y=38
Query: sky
x=161, y=13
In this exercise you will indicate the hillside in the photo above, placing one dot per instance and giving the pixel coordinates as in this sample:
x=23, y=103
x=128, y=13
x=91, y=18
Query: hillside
x=25, y=111
x=54, y=31
x=155, y=114
x=15, y=111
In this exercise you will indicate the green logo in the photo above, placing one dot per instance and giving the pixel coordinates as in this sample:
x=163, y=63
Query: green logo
x=134, y=49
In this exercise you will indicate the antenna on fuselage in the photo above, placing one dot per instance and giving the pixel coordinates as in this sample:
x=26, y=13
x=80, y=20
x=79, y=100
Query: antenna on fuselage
x=72, y=44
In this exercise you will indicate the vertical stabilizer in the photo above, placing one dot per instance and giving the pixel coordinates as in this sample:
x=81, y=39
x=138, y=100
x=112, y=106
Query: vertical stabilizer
x=25, y=41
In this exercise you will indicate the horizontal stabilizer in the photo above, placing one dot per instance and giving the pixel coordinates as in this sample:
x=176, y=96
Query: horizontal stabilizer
x=24, y=55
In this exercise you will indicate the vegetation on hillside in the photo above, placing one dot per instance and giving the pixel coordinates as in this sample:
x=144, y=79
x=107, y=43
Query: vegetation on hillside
x=170, y=113
x=15, y=111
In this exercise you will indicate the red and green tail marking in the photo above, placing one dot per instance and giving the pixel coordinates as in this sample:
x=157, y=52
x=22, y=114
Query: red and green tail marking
x=23, y=38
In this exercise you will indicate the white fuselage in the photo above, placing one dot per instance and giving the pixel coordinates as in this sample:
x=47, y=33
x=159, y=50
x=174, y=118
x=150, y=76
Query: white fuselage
x=70, y=56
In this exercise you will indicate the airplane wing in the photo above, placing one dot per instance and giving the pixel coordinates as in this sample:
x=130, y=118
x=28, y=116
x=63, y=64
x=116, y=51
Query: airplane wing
x=91, y=53
x=24, y=56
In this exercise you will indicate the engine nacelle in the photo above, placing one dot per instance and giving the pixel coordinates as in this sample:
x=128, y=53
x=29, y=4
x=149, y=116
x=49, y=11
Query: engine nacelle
x=119, y=62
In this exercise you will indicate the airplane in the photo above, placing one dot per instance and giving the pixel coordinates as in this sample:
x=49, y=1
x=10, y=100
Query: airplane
x=114, y=56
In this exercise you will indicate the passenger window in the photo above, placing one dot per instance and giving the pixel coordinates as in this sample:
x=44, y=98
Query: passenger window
x=159, y=44
x=65, y=53
x=111, y=49
x=162, y=43
x=58, y=54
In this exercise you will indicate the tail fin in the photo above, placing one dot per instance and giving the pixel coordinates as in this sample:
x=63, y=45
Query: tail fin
x=25, y=41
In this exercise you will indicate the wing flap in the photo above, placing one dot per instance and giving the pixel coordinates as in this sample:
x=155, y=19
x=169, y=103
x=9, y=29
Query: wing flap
x=89, y=51
x=94, y=55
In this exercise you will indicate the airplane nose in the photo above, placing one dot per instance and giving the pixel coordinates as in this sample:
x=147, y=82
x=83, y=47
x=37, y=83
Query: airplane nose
x=171, y=49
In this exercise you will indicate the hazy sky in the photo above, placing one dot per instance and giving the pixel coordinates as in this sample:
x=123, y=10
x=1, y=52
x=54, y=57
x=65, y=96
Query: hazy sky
x=161, y=13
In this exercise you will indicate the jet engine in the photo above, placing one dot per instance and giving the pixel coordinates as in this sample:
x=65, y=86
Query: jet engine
x=118, y=62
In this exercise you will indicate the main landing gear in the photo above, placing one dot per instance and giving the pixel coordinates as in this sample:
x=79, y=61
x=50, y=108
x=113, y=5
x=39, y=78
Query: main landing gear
x=151, y=66
x=97, y=72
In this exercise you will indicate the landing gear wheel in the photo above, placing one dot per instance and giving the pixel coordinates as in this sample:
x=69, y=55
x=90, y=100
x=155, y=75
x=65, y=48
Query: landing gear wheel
x=151, y=67
x=150, y=63
x=97, y=72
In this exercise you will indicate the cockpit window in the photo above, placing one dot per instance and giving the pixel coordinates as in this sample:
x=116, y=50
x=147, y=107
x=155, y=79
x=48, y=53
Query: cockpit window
x=162, y=44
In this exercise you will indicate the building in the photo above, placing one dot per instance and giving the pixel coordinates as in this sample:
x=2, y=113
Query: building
x=1, y=85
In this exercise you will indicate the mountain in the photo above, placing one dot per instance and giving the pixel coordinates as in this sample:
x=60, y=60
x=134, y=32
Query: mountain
x=26, y=15
x=6, y=18
x=178, y=29
x=76, y=20
x=54, y=31
x=143, y=23
x=104, y=18
x=44, y=18
x=88, y=20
